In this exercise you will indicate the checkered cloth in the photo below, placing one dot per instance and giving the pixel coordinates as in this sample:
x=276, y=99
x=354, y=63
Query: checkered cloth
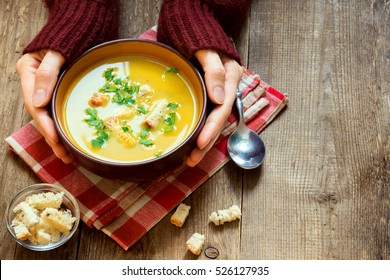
x=126, y=211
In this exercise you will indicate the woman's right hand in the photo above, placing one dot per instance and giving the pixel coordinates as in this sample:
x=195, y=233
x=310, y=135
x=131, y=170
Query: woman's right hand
x=38, y=73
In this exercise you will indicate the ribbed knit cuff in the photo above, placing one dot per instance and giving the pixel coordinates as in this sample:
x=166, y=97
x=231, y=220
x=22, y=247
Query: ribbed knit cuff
x=229, y=13
x=189, y=26
x=75, y=26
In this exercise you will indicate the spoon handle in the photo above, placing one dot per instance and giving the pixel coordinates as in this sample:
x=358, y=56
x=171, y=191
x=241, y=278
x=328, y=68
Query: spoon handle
x=240, y=106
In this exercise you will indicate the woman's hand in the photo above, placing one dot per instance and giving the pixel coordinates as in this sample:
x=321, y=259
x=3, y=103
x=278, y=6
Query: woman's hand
x=38, y=73
x=222, y=76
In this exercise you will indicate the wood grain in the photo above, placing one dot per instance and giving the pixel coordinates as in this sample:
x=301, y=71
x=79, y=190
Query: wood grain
x=323, y=191
x=328, y=156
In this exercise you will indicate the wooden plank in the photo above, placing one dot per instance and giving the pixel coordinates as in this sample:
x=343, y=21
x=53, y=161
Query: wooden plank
x=21, y=20
x=327, y=168
x=137, y=16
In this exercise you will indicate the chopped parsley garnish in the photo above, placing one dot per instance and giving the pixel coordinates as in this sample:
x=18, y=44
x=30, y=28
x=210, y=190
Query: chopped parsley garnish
x=119, y=98
x=95, y=121
x=123, y=90
x=132, y=89
x=142, y=110
x=173, y=106
x=129, y=100
x=158, y=154
x=146, y=142
x=108, y=88
x=144, y=132
x=100, y=140
x=109, y=74
x=125, y=128
x=92, y=113
x=172, y=70
x=170, y=121
x=143, y=140
x=122, y=98
x=118, y=81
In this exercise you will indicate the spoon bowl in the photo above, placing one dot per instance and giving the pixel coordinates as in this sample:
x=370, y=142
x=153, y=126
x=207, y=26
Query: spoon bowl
x=245, y=147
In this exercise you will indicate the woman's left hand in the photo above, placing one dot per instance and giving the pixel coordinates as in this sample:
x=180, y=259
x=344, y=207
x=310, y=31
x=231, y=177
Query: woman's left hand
x=222, y=75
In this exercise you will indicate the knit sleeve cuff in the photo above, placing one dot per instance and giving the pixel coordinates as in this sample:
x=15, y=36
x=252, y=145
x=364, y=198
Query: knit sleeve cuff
x=189, y=26
x=75, y=26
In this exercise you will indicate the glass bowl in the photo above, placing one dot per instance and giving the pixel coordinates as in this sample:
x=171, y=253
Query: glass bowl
x=69, y=202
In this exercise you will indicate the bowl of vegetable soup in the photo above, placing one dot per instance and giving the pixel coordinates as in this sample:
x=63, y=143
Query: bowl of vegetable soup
x=130, y=109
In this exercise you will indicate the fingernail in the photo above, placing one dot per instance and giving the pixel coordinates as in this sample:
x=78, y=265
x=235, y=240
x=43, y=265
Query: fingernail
x=39, y=97
x=219, y=95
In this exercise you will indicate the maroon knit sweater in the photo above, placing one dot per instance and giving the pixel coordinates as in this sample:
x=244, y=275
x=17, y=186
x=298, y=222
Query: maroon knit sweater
x=186, y=25
x=75, y=26
x=191, y=25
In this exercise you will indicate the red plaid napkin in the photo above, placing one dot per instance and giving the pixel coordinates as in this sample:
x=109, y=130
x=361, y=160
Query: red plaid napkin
x=125, y=211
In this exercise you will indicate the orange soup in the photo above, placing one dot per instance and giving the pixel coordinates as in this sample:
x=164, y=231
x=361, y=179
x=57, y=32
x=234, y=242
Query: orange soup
x=130, y=110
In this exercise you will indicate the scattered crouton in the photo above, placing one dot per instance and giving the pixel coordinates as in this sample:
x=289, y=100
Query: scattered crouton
x=195, y=243
x=179, y=217
x=156, y=113
x=225, y=215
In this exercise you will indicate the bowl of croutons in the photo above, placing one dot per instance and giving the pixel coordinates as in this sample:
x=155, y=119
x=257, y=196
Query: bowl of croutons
x=42, y=217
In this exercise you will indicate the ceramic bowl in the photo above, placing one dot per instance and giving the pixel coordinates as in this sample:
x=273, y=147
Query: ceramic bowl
x=133, y=170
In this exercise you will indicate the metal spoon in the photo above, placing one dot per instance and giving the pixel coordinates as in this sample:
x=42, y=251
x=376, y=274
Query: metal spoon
x=245, y=146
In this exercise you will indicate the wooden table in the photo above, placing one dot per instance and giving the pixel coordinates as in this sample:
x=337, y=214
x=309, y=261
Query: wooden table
x=323, y=191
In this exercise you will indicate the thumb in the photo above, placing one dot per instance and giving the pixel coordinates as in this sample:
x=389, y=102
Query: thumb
x=214, y=74
x=46, y=77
